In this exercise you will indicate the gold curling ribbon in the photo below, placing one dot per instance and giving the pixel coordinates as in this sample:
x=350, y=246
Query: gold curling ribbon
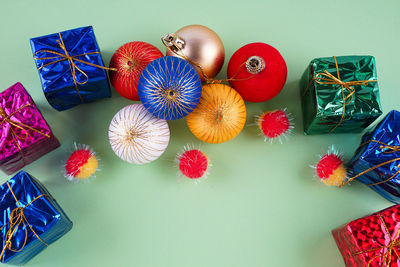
x=387, y=256
x=209, y=80
x=329, y=79
x=6, y=118
x=387, y=149
x=15, y=220
x=71, y=61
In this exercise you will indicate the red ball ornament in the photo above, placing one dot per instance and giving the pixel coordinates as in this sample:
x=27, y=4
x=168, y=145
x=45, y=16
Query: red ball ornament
x=82, y=164
x=330, y=168
x=275, y=125
x=130, y=60
x=257, y=71
x=193, y=163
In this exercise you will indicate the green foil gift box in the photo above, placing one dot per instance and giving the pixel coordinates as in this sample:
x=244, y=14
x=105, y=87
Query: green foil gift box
x=340, y=95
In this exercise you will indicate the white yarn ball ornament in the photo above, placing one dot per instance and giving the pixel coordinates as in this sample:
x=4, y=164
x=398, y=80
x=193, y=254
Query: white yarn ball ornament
x=136, y=136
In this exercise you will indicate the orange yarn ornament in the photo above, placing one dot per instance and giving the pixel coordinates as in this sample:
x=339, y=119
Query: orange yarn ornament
x=219, y=116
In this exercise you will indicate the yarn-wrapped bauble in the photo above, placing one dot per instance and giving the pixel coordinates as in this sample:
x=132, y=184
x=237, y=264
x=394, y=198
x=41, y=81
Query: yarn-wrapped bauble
x=220, y=115
x=169, y=88
x=136, y=136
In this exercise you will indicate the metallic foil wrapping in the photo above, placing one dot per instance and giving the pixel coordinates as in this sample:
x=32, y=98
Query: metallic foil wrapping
x=24, y=134
x=322, y=104
x=43, y=217
x=378, y=146
x=372, y=240
x=57, y=74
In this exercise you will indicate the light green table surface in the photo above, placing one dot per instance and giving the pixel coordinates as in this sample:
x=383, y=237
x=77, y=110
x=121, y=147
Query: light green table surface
x=260, y=205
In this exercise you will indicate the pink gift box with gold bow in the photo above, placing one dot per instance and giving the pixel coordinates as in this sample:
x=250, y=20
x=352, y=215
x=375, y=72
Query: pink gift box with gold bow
x=24, y=134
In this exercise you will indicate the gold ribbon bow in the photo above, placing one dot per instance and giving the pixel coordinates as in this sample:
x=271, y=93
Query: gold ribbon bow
x=387, y=149
x=71, y=61
x=6, y=118
x=390, y=248
x=328, y=78
x=15, y=220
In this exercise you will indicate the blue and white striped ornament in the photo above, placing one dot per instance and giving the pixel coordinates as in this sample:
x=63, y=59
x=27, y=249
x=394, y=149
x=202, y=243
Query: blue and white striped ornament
x=169, y=88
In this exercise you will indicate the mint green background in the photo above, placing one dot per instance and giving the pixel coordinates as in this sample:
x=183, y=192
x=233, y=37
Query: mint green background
x=260, y=205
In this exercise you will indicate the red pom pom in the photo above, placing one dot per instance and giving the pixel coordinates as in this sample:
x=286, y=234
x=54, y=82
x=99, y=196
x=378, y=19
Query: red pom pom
x=130, y=60
x=77, y=159
x=327, y=165
x=330, y=168
x=193, y=163
x=275, y=124
x=258, y=72
x=82, y=163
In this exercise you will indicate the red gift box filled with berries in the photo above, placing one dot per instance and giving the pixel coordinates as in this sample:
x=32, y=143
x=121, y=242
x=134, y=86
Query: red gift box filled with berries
x=372, y=240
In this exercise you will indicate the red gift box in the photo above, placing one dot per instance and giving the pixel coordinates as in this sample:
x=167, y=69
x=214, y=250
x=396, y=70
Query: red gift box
x=372, y=240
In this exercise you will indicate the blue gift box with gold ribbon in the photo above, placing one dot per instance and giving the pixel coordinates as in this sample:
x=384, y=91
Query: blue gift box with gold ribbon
x=376, y=162
x=30, y=219
x=70, y=67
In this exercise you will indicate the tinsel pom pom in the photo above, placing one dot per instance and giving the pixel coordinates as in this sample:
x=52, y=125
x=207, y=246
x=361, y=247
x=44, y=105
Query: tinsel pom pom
x=82, y=164
x=330, y=168
x=275, y=125
x=193, y=163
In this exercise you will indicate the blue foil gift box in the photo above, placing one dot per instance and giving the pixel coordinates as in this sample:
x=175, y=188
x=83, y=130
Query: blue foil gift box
x=71, y=68
x=376, y=162
x=30, y=219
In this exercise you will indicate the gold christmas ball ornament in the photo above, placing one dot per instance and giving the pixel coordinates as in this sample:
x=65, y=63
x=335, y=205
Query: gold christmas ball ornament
x=200, y=45
x=219, y=116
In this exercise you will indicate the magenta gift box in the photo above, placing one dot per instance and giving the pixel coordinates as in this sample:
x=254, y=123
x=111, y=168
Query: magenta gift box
x=25, y=135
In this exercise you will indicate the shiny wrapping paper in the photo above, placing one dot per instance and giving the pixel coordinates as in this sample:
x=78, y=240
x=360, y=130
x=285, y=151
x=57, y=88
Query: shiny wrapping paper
x=20, y=147
x=372, y=154
x=57, y=79
x=372, y=240
x=322, y=104
x=44, y=215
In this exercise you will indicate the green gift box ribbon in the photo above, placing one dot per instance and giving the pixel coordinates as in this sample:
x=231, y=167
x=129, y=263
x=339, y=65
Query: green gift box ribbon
x=340, y=95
